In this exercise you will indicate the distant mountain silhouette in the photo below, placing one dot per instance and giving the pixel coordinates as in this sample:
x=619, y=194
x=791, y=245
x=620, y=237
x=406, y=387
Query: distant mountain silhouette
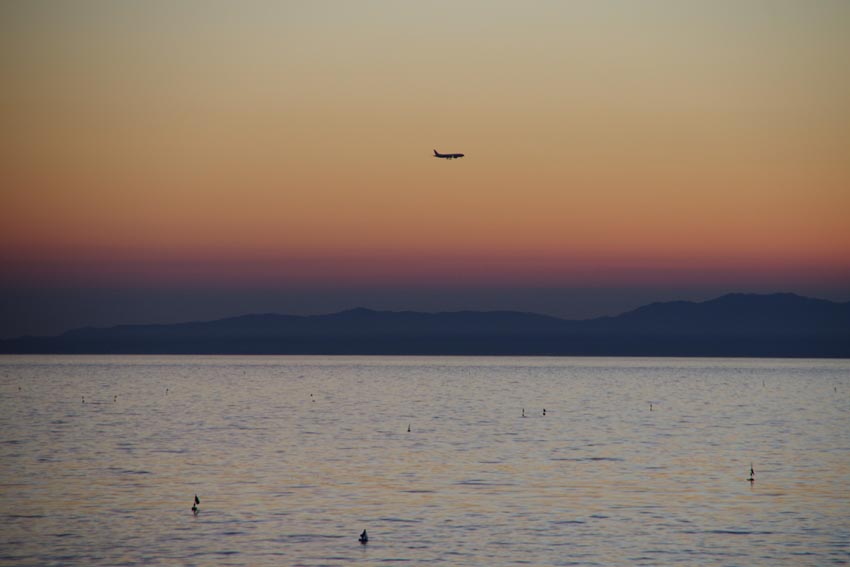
x=777, y=325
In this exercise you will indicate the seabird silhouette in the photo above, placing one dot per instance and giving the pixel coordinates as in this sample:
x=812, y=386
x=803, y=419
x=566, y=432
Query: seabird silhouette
x=752, y=474
x=408, y=428
x=363, y=537
x=195, y=505
x=544, y=411
x=523, y=412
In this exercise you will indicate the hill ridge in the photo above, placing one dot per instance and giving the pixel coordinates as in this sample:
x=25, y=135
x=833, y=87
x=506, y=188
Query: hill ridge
x=735, y=324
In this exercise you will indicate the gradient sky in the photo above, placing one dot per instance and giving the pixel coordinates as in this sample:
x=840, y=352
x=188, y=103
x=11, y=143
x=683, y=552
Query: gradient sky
x=169, y=160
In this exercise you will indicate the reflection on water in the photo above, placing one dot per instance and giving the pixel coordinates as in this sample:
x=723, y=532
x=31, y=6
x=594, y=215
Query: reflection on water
x=292, y=457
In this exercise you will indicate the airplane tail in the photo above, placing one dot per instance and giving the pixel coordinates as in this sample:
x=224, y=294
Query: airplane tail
x=436, y=153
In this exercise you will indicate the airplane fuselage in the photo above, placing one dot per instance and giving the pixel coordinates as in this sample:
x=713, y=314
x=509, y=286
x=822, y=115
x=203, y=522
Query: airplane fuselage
x=447, y=156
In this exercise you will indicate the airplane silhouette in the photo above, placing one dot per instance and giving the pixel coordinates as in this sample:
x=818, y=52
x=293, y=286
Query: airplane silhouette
x=447, y=156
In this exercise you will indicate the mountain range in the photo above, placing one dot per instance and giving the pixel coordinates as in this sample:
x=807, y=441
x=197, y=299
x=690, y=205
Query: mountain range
x=774, y=325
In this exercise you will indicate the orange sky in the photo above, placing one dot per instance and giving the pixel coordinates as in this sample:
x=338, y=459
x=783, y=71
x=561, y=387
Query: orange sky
x=290, y=142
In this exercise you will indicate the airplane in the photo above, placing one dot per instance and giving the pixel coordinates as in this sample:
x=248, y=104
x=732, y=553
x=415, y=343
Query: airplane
x=447, y=156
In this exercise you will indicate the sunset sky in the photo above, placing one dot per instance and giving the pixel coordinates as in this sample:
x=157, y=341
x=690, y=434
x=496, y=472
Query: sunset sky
x=163, y=161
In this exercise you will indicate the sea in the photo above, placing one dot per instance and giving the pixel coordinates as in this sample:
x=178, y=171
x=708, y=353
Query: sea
x=441, y=460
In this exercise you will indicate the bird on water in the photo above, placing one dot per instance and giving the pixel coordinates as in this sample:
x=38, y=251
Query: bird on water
x=363, y=538
x=195, y=505
x=752, y=474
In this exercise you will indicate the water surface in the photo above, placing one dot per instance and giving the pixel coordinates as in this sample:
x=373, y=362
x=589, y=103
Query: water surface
x=292, y=457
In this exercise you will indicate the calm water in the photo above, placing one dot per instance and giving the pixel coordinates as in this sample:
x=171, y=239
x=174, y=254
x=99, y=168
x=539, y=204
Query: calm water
x=293, y=456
